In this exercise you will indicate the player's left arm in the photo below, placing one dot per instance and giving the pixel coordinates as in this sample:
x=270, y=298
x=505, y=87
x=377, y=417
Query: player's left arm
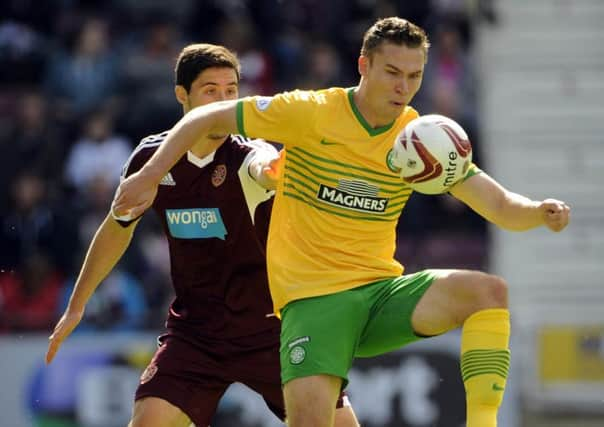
x=509, y=210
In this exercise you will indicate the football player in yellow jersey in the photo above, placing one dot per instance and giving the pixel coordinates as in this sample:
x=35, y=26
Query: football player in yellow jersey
x=333, y=278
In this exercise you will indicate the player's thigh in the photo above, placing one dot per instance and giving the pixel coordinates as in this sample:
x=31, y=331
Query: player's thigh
x=188, y=376
x=156, y=412
x=311, y=400
x=455, y=295
x=260, y=371
x=197, y=399
x=319, y=335
x=393, y=302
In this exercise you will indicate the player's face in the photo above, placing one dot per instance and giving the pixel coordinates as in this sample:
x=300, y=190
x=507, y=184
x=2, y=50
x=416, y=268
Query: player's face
x=393, y=76
x=212, y=85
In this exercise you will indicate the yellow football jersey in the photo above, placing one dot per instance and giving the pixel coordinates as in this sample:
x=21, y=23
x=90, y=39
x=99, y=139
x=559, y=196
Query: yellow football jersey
x=333, y=225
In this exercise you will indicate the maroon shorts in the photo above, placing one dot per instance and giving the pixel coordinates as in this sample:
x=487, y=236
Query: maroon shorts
x=193, y=376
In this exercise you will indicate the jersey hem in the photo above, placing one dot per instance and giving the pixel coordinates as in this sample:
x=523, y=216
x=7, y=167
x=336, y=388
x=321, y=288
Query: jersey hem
x=331, y=290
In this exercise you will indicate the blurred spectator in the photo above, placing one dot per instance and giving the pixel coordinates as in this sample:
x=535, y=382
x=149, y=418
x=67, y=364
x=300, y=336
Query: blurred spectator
x=85, y=77
x=32, y=226
x=296, y=28
x=117, y=305
x=450, y=89
x=92, y=207
x=323, y=67
x=213, y=11
x=35, y=14
x=98, y=154
x=460, y=13
x=95, y=198
x=156, y=273
x=256, y=67
x=149, y=95
x=34, y=140
x=442, y=250
x=29, y=296
x=321, y=19
x=288, y=50
x=451, y=83
x=178, y=12
x=21, y=53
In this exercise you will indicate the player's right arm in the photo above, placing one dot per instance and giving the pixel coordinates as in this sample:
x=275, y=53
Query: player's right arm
x=107, y=247
x=509, y=210
x=280, y=118
x=136, y=193
x=109, y=243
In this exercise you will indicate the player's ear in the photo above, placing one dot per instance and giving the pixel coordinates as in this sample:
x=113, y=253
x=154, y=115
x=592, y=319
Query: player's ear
x=363, y=65
x=181, y=94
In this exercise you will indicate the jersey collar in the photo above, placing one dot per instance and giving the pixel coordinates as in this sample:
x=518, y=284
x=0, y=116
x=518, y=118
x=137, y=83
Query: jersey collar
x=200, y=162
x=370, y=130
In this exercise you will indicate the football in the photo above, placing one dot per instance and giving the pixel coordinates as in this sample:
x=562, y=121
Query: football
x=432, y=153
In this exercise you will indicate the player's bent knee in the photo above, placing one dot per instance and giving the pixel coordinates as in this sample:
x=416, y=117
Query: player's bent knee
x=488, y=290
x=345, y=417
x=497, y=292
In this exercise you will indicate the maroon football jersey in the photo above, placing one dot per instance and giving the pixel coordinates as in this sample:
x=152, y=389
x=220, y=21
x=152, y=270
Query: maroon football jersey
x=216, y=219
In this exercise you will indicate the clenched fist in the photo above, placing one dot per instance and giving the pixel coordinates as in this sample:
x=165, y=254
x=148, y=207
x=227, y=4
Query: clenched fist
x=556, y=214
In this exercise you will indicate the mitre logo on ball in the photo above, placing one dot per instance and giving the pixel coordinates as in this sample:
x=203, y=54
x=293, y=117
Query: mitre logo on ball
x=431, y=154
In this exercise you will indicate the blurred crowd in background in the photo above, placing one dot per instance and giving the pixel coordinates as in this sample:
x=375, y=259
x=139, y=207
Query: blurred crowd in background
x=81, y=82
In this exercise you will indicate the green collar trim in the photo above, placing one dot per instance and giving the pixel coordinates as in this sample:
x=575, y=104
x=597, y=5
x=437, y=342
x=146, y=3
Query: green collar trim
x=370, y=130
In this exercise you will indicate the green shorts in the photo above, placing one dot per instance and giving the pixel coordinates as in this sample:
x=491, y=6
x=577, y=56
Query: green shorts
x=322, y=335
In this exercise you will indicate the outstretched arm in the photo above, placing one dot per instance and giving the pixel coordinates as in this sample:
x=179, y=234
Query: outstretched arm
x=107, y=247
x=509, y=210
x=136, y=193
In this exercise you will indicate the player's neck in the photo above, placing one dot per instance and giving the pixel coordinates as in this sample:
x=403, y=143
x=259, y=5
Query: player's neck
x=207, y=146
x=367, y=110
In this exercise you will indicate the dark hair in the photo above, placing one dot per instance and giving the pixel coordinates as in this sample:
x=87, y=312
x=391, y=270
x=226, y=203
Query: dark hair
x=195, y=58
x=397, y=31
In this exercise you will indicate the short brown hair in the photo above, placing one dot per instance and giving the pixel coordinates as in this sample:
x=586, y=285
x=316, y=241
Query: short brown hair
x=195, y=58
x=394, y=30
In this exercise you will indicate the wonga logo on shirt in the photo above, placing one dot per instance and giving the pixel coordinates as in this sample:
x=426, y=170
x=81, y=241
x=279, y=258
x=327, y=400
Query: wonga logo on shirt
x=195, y=223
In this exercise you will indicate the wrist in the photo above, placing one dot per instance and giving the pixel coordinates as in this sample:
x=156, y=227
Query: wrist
x=151, y=173
x=541, y=212
x=75, y=308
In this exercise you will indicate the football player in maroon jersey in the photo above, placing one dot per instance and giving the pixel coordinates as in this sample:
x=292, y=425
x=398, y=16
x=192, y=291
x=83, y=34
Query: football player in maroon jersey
x=214, y=206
